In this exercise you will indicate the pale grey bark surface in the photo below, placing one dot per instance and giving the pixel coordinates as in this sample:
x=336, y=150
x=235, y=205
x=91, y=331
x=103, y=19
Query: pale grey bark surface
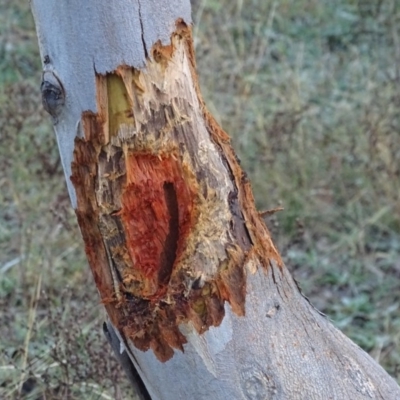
x=282, y=348
x=126, y=363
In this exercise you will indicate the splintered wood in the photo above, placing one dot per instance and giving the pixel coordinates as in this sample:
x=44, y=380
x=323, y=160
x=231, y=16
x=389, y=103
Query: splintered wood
x=157, y=213
x=166, y=212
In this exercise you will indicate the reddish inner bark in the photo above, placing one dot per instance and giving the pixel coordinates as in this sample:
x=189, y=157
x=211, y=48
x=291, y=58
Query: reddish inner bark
x=156, y=212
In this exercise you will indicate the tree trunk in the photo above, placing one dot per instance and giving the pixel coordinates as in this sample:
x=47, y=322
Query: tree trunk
x=193, y=286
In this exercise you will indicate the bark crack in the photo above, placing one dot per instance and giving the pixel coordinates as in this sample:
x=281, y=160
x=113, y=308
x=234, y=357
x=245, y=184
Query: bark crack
x=142, y=30
x=171, y=241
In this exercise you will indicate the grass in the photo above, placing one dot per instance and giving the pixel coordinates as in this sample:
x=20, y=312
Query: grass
x=309, y=91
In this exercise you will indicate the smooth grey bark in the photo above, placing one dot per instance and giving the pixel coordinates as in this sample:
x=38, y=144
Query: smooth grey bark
x=282, y=348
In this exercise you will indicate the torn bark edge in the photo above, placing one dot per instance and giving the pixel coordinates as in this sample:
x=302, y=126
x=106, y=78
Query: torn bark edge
x=155, y=324
x=259, y=233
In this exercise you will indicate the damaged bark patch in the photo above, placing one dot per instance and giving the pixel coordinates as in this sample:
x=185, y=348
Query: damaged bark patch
x=159, y=209
x=156, y=220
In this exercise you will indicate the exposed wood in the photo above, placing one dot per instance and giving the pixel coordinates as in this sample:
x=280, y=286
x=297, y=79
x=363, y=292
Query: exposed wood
x=154, y=186
x=194, y=288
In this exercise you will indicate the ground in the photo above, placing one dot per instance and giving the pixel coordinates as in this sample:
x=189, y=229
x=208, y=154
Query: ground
x=309, y=91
